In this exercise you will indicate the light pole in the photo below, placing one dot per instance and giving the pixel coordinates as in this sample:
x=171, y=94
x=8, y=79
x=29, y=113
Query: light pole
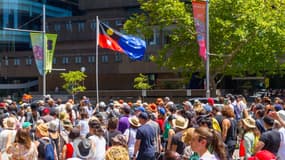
x=208, y=92
x=83, y=69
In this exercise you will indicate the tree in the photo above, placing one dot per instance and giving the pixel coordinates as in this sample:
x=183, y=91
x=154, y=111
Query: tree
x=141, y=82
x=73, y=81
x=246, y=36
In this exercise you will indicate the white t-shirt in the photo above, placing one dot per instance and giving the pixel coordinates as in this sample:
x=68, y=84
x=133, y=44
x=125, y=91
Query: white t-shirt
x=131, y=133
x=208, y=156
x=84, y=127
x=281, y=150
x=100, y=145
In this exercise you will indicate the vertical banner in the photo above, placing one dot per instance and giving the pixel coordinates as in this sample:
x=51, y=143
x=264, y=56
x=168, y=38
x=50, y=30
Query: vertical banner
x=38, y=48
x=37, y=44
x=199, y=13
x=50, y=46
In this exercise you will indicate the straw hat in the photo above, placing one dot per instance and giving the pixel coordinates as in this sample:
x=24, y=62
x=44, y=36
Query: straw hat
x=67, y=123
x=180, y=122
x=134, y=121
x=249, y=122
x=43, y=129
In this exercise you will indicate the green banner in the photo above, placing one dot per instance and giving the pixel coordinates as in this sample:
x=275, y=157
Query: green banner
x=50, y=46
x=39, y=56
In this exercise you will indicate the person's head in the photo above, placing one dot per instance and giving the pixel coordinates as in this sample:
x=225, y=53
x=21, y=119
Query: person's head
x=143, y=117
x=95, y=127
x=268, y=122
x=227, y=111
x=134, y=122
x=204, y=139
x=112, y=123
x=27, y=126
x=119, y=139
x=171, y=155
x=83, y=113
x=180, y=123
x=42, y=130
x=74, y=133
x=187, y=105
x=23, y=137
x=248, y=124
x=204, y=121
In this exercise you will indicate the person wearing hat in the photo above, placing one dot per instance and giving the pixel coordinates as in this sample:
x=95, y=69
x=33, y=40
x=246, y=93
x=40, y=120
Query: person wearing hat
x=249, y=137
x=144, y=146
x=270, y=139
x=42, y=134
x=180, y=124
x=118, y=151
x=131, y=133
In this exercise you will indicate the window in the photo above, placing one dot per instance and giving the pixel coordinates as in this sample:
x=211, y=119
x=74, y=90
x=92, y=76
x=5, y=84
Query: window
x=29, y=61
x=54, y=60
x=68, y=26
x=6, y=61
x=57, y=27
x=155, y=37
x=105, y=59
x=65, y=60
x=81, y=26
x=118, y=57
x=78, y=60
x=119, y=22
x=16, y=61
x=93, y=25
x=91, y=59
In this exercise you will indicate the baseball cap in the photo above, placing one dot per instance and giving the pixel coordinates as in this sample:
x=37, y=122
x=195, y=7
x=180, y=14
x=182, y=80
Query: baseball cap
x=26, y=124
x=140, y=108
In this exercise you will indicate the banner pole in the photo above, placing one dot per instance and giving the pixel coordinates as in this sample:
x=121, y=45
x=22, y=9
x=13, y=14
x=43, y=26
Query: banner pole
x=97, y=43
x=208, y=92
x=44, y=50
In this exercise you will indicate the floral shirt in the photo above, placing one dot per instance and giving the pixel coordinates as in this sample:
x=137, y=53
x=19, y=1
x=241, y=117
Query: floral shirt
x=20, y=152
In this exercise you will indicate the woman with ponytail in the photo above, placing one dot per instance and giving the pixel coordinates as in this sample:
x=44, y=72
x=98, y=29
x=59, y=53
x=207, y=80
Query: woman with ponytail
x=208, y=144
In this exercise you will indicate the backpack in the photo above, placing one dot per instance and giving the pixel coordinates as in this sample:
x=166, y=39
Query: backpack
x=237, y=112
x=47, y=149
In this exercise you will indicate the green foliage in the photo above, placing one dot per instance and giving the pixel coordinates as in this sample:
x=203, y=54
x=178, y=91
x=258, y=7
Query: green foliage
x=73, y=81
x=246, y=36
x=141, y=82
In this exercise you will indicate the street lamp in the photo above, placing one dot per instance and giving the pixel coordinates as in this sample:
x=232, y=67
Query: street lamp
x=83, y=69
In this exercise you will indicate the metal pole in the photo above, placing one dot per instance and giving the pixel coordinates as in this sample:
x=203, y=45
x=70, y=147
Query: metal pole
x=44, y=49
x=208, y=92
x=97, y=43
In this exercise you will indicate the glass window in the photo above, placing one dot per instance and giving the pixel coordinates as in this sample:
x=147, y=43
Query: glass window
x=155, y=37
x=54, y=60
x=105, y=59
x=118, y=57
x=29, y=61
x=16, y=61
x=91, y=59
x=6, y=61
x=57, y=27
x=93, y=25
x=65, y=60
x=119, y=22
x=68, y=26
x=78, y=60
x=81, y=26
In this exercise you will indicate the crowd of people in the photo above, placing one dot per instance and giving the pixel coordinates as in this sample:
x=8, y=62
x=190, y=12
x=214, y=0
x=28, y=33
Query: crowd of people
x=50, y=129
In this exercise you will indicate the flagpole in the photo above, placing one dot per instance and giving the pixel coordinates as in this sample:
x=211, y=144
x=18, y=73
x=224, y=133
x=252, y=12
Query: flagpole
x=97, y=43
x=44, y=49
x=208, y=92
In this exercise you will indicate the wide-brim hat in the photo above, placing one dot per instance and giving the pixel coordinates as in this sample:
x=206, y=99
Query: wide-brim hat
x=67, y=123
x=249, y=122
x=180, y=122
x=43, y=129
x=134, y=121
x=83, y=148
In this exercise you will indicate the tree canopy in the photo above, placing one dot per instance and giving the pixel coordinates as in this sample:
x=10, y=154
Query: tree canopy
x=73, y=82
x=246, y=36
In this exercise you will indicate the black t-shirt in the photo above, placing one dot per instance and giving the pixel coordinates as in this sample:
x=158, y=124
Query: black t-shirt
x=271, y=140
x=176, y=140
